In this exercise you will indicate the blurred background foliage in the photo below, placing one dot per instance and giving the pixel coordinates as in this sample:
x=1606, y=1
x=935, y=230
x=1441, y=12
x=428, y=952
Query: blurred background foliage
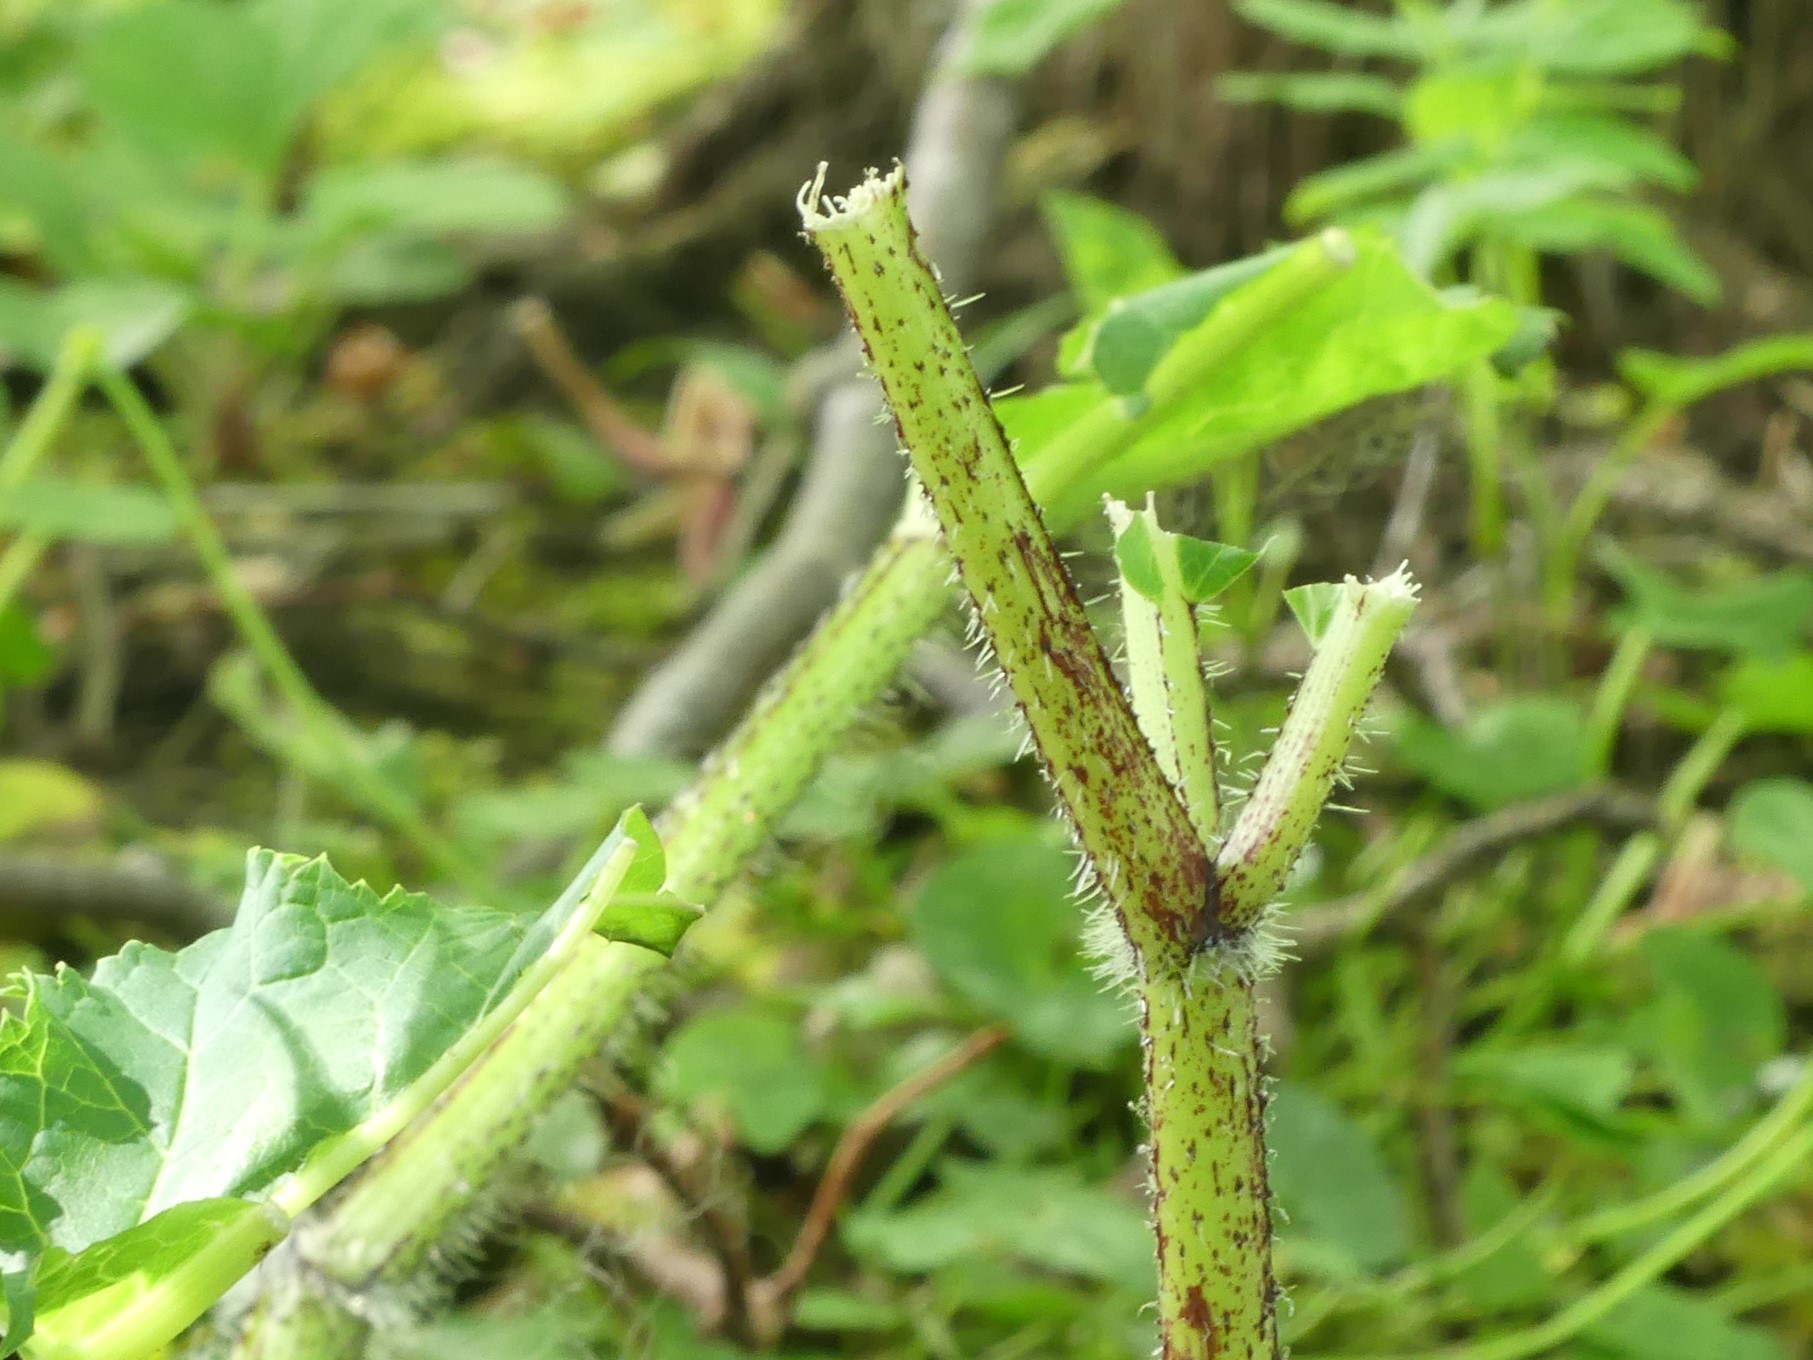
x=484, y=338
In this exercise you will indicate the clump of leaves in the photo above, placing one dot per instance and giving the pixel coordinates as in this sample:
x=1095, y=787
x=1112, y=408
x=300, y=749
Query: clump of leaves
x=1523, y=126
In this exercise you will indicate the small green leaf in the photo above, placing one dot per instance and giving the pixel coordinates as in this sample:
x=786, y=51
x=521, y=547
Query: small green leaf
x=1335, y=28
x=1013, y=36
x=1771, y=695
x=1314, y=605
x=434, y=199
x=1373, y=328
x=635, y=907
x=1108, y=251
x=1000, y=925
x=1136, y=553
x=750, y=1063
x=1765, y=615
x=88, y=512
x=1771, y=821
x=1140, y=329
x=134, y=317
x=1678, y=381
x=1716, y=1021
x=1388, y=175
x=1638, y=234
x=25, y=658
x=1332, y=1182
x=1590, y=37
x=1313, y=91
x=1661, y=1322
x=36, y=795
x=1047, y=1217
x=1584, y=1083
x=1206, y=568
x=1516, y=749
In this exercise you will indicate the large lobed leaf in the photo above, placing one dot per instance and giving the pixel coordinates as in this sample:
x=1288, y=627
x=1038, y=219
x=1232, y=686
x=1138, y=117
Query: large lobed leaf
x=159, y=1119
x=1376, y=328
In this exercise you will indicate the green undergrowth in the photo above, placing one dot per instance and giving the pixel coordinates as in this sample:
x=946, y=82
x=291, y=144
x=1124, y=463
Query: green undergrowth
x=1542, y=1081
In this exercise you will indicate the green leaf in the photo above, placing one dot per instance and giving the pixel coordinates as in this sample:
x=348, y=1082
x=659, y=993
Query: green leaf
x=25, y=658
x=1384, y=176
x=36, y=795
x=1679, y=381
x=320, y=44
x=1518, y=748
x=88, y=512
x=1313, y=91
x=1591, y=37
x=749, y=1063
x=1108, y=251
x=1661, y=1322
x=1584, y=1083
x=1335, y=28
x=38, y=186
x=1771, y=695
x=1376, y=328
x=1013, y=36
x=148, y=1112
x=1716, y=1021
x=134, y=317
x=1205, y=568
x=1000, y=925
x=1613, y=147
x=209, y=86
x=1138, y=331
x=1047, y=1217
x=1771, y=821
x=1764, y=616
x=434, y=199
x=1638, y=234
x=390, y=269
x=192, y=83
x=1333, y=1184
x=1314, y=606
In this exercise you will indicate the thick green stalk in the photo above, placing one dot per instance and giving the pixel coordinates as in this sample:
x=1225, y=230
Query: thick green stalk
x=1211, y=1198
x=395, y=1211
x=1128, y=819
x=1195, y=967
x=710, y=832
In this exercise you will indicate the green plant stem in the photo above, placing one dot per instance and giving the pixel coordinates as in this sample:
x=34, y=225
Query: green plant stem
x=1593, y=497
x=1127, y=816
x=1164, y=676
x=1310, y=754
x=1211, y=1200
x=1785, y=1119
x=50, y=412
x=1648, y=1267
x=1641, y=1272
x=94, y=1328
x=51, y=409
x=1485, y=440
x=1690, y=776
x=1613, y=696
x=393, y=1215
x=1611, y=897
x=757, y=774
x=254, y=625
